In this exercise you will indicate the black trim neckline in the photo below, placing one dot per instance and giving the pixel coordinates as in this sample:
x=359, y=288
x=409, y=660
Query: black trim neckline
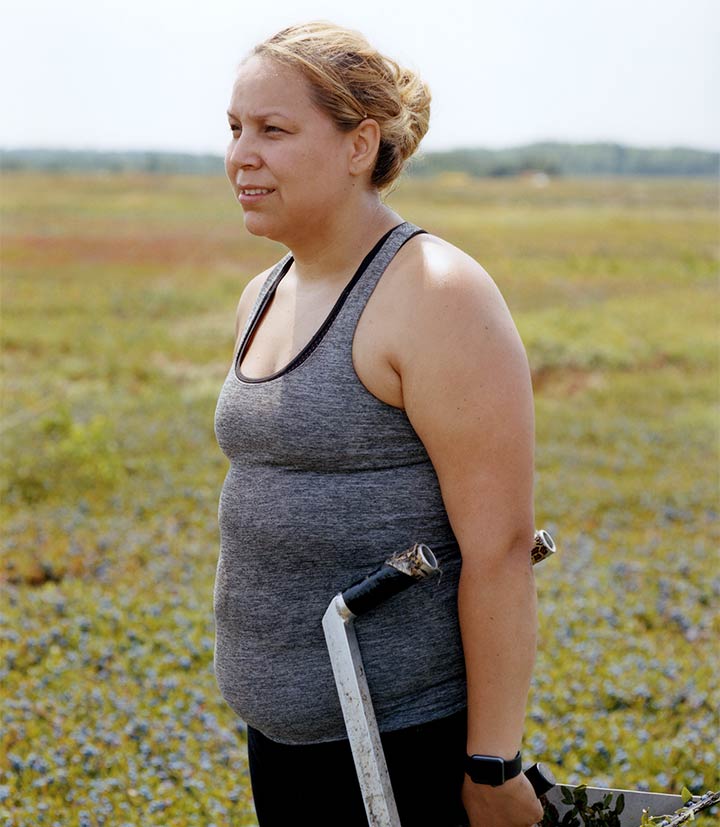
x=322, y=330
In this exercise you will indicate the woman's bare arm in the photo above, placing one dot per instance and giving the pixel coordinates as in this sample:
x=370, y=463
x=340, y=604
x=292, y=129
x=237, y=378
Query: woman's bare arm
x=467, y=391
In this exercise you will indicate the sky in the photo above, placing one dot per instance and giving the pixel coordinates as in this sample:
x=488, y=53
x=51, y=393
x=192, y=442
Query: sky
x=157, y=74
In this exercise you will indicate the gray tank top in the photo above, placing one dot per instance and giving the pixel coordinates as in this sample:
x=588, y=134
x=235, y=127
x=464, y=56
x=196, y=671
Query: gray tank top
x=325, y=481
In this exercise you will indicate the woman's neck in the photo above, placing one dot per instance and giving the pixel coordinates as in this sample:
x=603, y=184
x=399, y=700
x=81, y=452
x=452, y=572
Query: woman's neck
x=329, y=253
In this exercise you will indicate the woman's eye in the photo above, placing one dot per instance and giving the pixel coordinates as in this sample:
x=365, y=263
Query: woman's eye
x=270, y=128
x=234, y=128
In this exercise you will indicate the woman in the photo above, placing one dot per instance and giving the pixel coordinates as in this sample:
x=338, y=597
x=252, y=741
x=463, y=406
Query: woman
x=379, y=395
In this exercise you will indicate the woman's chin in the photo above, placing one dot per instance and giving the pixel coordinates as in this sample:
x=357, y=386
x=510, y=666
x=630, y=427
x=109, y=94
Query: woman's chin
x=257, y=224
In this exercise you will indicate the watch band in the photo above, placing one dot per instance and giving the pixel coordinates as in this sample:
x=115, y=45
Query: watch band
x=491, y=769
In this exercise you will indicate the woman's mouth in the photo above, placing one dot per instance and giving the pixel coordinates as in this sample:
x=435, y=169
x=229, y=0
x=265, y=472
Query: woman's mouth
x=250, y=195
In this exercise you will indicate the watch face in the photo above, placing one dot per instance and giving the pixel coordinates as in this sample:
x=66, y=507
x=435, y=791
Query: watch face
x=486, y=769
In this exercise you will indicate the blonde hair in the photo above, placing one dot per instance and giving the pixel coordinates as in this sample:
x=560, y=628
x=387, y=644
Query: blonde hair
x=351, y=81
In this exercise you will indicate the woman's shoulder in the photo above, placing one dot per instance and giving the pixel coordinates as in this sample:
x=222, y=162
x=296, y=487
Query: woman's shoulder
x=452, y=313
x=438, y=275
x=445, y=322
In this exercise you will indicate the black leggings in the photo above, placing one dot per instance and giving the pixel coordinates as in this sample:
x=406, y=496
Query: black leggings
x=316, y=784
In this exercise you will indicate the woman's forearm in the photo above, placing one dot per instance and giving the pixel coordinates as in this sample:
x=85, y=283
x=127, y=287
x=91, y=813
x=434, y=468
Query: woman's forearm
x=498, y=622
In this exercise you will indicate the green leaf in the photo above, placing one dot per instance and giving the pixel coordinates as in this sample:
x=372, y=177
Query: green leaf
x=567, y=796
x=619, y=804
x=580, y=795
x=686, y=795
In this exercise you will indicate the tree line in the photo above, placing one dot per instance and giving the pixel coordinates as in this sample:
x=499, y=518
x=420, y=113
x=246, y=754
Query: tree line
x=551, y=158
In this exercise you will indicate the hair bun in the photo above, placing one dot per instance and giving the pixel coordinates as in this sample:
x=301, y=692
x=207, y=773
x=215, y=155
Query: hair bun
x=415, y=97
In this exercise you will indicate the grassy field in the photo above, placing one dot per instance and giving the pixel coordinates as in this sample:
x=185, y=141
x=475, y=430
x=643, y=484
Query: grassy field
x=117, y=323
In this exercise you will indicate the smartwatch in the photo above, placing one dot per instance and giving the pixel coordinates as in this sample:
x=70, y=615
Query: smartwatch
x=491, y=769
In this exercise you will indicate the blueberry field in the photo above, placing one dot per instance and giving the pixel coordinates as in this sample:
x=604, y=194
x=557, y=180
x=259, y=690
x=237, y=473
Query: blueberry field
x=118, y=301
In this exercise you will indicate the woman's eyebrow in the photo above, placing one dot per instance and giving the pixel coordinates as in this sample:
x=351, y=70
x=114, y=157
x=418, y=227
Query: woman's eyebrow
x=259, y=116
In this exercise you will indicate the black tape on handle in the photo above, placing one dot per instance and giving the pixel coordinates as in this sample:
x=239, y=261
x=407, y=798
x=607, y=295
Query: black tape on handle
x=541, y=778
x=384, y=582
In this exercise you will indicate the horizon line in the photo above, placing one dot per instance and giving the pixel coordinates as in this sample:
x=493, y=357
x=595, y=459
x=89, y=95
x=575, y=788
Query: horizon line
x=421, y=151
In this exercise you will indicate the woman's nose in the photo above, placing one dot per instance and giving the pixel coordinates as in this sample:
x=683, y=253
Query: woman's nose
x=242, y=152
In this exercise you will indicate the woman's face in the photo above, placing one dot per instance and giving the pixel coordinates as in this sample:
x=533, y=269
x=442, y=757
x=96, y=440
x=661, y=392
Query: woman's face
x=286, y=160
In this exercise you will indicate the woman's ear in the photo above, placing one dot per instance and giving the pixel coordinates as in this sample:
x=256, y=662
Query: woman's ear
x=364, y=147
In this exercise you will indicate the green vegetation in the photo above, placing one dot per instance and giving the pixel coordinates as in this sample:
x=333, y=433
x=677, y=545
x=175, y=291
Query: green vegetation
x=556, y=158
x=605, y=813
x=119, y=295
x=552, y=158
x=90, y=160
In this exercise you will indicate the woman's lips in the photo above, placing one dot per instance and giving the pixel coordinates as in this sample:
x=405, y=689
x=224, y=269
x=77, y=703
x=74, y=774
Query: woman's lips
x=251, y=195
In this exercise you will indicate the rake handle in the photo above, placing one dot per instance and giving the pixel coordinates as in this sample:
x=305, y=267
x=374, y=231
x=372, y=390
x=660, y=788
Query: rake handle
x=401, y=570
